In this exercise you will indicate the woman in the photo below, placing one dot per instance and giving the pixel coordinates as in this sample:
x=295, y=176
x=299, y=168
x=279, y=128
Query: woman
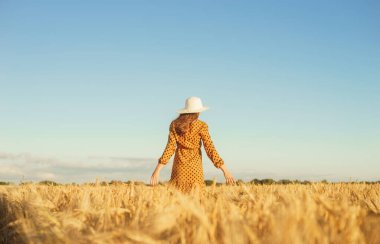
x=185, y=135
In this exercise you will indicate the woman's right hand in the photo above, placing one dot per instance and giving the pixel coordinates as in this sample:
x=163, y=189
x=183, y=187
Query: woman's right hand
x=229, y=178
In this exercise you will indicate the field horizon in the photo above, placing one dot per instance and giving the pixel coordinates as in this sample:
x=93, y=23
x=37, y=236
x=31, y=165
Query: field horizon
x=263, y=181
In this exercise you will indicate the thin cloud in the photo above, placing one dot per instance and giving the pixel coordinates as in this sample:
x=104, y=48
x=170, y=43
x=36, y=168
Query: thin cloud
x=26, y=166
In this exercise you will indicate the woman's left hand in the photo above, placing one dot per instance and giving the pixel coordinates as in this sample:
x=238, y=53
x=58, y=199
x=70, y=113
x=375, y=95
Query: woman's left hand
x=156, y=173
x=154, y=178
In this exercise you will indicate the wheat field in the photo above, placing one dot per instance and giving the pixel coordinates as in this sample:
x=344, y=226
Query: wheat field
x=242, y=213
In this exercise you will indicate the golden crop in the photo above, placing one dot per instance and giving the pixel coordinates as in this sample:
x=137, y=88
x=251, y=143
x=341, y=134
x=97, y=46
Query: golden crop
x=243, y=213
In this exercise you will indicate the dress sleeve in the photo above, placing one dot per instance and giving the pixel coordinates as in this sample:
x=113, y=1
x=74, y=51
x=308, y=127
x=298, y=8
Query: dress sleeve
x=169, y=149
x=210, y=148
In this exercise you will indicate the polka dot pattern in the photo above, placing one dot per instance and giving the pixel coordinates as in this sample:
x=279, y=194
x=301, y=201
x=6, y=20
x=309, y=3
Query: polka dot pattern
x=187, y=170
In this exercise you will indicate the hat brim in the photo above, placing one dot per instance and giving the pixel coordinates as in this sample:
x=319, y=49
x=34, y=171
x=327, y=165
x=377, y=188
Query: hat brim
x=183, y=111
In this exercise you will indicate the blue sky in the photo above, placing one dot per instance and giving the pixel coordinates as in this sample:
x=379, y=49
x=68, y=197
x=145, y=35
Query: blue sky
x=88, y=88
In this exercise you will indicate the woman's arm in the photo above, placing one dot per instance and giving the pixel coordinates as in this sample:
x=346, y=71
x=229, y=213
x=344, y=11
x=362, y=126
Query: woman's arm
x=213, y=154
x=210, y=148
x=166, y=155
x=171, y=145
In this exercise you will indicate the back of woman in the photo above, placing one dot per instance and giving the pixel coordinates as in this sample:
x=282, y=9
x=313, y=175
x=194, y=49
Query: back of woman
x=186, y=134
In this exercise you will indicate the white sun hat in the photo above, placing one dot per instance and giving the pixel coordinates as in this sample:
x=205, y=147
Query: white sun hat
x=193, y=105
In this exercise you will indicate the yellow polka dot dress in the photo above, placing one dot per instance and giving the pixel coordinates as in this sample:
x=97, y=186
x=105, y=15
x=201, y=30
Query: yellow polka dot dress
x=187, y=170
